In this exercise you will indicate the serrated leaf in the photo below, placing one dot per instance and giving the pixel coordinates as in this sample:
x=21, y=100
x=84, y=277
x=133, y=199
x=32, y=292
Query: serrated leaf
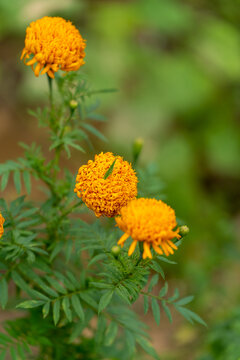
x=153, y=282
x=175, y=296
x=164, y=290
x=164, y=259
x=29, y=304
x=111, y=333
x=77, y=306
x=184, y=301
x=94, y=131
x=3, y=292
x=145, y=304
x=156, y=267
x=45, y=309
x=27, y=181
x=17, y=181
x=96, y=258
x=66, y=308
x=105, y=300
x=56, y=311
x=156, y=310
x=5, y=178
x=147, y=346
x=190, y=315
x=167, y=310
x=110, y=170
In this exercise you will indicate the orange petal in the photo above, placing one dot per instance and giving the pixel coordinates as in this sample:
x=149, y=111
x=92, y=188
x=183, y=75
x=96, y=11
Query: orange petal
x=147, y=250
x=37, y=69
x=45, y=70
x=172, y=244
x=157, y=249
x=31, y=62
x=51, y=73
x=165, y=249
x=132, y=247
x=23, y=53
x=122, y=239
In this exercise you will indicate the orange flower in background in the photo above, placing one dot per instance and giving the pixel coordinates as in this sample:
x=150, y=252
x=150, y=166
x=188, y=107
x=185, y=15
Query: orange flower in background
x=1, y=225
x=150, y=221
x=106, y=196
x=55, y=44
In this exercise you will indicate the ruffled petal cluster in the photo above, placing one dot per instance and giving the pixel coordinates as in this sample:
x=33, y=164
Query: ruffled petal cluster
x=55, y=44
x=107, y=196
x=1, y=225
x=151, y=221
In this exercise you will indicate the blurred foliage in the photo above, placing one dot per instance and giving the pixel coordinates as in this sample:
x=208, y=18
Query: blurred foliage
x=177, y=65
x=223, y=339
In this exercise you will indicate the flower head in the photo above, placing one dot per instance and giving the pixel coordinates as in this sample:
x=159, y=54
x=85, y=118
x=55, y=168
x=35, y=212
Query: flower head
x=1, y=225
x=106, y=196
x=55, y=44
x=150, y=221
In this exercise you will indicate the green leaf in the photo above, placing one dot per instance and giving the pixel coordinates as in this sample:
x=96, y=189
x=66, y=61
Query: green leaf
x=166, y=260
x=29, y=304
x=156, y=310
x=27, y=181
x=153, y=282
x=45, y=309
x=77, y=306
x=147, y=346
x=111, y=333
x=156, y=267
x=3, y=292
x=96, y=258
x=145, y=304
x=105, y=300
x=175, y=296
x=5, y=178
x=167, y=310
x=56, y=311
x=17, y=181
x=184, y=301
x=164, y=290
x=13, y=353
x=190, y=315
x=94, y=131
x=110, y=170
x=88, y=300
x=66, y=308
x=56, y=285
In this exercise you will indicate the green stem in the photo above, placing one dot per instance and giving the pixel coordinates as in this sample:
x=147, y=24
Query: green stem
x=141, y=252
x=50, y=91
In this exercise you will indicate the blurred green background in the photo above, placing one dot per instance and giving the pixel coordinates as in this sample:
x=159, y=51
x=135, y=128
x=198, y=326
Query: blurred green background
x=177, y=67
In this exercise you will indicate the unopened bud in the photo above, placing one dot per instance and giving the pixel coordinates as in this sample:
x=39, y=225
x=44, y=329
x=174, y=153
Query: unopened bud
x=115, y=250
x=137, y=148
x=73, y=104
x=183, y=230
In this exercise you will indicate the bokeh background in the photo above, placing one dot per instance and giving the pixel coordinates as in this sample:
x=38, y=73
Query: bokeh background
x=176, y=65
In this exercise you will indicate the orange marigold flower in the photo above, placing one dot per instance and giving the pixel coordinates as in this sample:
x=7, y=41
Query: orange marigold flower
x=1, y=225
x=106, y=196
x=55, y=44
x=150, y=221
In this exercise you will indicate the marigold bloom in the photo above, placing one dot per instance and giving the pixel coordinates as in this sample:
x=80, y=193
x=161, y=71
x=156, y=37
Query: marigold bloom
x=55, y=44
x=1, y=225
x=150, y=221
x=106, y=196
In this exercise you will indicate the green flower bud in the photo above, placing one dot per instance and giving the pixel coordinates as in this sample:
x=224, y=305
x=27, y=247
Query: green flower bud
x=137, y=148
x=73, y=104
x=183, y=230
x=116, y=250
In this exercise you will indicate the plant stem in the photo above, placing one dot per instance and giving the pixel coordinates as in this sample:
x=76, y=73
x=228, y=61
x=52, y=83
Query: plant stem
x=141, y=252
x=50, y=91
